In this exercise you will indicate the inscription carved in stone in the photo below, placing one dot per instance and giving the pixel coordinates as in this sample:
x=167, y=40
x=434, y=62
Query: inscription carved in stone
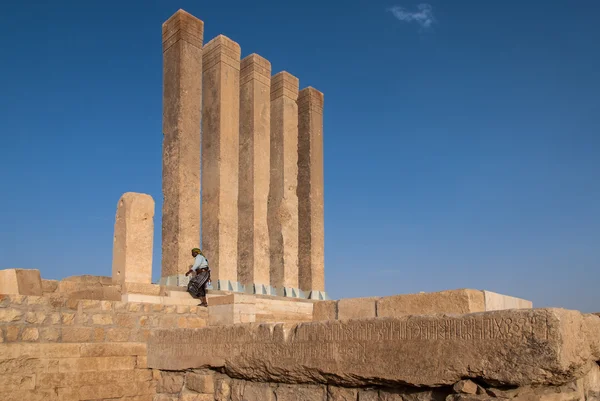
x=421, y=350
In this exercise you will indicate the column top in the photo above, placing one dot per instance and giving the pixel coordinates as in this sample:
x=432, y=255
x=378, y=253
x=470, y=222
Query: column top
x=255, y=67
x=182, y=26
x=284, y=84
x=221, y=49
x=310, y=98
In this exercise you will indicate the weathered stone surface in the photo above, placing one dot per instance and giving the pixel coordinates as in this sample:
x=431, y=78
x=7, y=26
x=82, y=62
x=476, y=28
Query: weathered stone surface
x=200, y=383
x=133, y=236
x=254, y=171
x=182, y=98
x=301, y=393
x=356, y=308
x=494, y=301
x=452, y=301
x=465, y=387
x=325, y=310
x=341, y=394
x=516, y=347
x=220, y=158
x=49, y=286
x=20, y=281
x=311, y=225
x=282, y=208
x=170, y=382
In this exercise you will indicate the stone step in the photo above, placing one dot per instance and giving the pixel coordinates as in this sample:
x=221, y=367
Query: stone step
x=154, y=299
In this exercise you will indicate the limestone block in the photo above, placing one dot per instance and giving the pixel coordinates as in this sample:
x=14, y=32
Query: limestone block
x=494, y=301
x=311, y=240
x=256, y=392
x=512, y=347
x=49, y=286
x=21, y=281
x=356, y=308
x=133, y=239
x=220, y=157
x=465, y=387
x=453, y=301
x=121, y=349
x=170, y=382
x=200, y=383
x=182, y=36
x=368, y=395
x=301, y=393
x=325, y=310
x=282, y=211
x=341, y=394
x=141, y=288
x=254, y=171
x=95, y=364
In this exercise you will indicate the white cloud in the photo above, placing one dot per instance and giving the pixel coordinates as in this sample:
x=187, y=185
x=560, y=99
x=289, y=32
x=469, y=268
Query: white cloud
x=423, y=16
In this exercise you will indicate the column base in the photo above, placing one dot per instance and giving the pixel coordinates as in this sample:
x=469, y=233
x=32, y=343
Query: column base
x=227, y=285
x=318, y=295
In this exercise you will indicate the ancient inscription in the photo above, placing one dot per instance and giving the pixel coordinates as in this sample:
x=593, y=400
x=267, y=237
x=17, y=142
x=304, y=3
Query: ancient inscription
x=347, y=341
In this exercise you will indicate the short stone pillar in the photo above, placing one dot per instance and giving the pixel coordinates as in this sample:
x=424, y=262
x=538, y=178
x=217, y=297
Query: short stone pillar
x=283, y=200
x=133, y=240
x=182, y=36
x=220, y=160
x=311, y=233
x=255, y=134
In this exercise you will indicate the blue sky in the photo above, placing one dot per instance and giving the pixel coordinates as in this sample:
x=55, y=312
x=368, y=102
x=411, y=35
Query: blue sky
x=462, y=138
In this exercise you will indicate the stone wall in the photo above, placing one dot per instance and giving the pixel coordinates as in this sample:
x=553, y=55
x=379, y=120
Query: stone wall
x=450, y=301
x=206, y=385
x=44, y=319
x=60, y=349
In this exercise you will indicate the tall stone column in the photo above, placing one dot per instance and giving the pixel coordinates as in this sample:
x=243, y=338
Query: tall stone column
x=254, y=174
x=133, y=240
x=220, y=160
x=182, y=36
x=283, y=200
x=311, y=236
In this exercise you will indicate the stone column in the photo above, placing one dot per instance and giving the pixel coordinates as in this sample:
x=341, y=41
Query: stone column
x=182, y=36
x=254, y=174
x=220, y=160
x=283, y=200
x=132, y=243
x=311, y=269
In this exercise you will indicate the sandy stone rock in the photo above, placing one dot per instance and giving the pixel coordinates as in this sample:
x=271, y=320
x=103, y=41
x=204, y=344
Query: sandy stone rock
x=50, y=334
x=357, y=308
x=30, y=334
x=170, y=382
x=465, y=387
x=301, y=393
x=222, y=389
x=10, y=315
x=368, y=395
x=509, y=347
x=325, y=310
x=258, y=392
x=21, y=281
x=453, y=301
x=200, y=383
x=341, y=394
x=49, y=286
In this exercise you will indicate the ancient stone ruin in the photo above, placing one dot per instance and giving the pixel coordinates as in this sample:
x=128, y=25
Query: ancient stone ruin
x=250, y=142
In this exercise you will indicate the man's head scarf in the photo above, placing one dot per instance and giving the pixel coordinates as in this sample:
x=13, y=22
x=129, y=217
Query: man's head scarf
x=198, y=250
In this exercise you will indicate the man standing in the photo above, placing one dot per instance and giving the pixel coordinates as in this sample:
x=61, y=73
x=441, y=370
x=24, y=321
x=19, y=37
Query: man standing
x=197, y=285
